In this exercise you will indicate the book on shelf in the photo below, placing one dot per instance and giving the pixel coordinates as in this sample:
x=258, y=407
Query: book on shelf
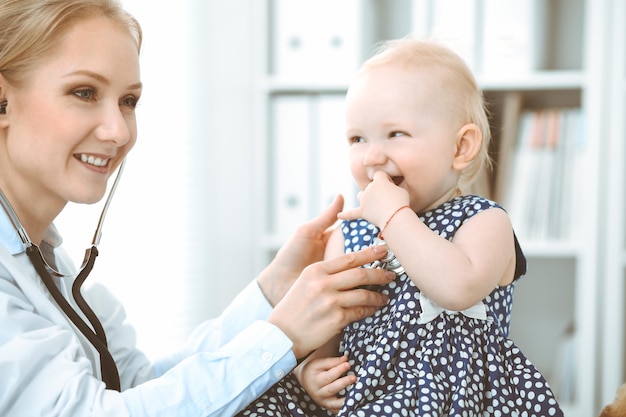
x=503, y=161
x=545, y=166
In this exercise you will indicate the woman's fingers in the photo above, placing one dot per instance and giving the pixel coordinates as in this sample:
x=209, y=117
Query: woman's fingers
x=325, y=299
x=327, y=218
x=353, y=260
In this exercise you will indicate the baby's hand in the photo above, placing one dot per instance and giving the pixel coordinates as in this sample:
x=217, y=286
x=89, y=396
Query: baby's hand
x=324, y=378
x=379, y=200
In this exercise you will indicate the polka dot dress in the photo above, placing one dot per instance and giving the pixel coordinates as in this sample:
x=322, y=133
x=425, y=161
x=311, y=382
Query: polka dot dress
x=449, y=364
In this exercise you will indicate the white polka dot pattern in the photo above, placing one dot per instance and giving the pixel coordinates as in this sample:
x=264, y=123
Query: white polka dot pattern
x=453, y=365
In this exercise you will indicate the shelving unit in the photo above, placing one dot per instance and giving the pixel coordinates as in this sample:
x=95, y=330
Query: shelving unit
x=566, y=278
x=613, y=371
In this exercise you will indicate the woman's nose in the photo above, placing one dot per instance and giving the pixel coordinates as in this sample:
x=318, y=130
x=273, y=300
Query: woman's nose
x=114, y=126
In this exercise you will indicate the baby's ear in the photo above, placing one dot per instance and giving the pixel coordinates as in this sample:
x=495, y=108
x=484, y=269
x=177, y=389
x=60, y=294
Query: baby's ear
x=469, y=140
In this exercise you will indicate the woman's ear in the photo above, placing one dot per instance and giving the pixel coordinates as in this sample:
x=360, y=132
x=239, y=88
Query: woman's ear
x=3, y=102
x=469, y=140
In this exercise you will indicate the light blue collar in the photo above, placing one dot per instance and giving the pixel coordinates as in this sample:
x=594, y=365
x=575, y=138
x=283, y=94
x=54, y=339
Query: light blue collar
x=11, y=240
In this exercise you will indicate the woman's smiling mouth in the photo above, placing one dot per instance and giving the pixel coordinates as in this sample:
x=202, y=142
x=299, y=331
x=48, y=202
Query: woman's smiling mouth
x=93, y=160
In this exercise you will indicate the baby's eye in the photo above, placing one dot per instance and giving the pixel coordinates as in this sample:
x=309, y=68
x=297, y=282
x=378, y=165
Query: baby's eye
x=86, y=94
x=356, y=139
x=396, y=134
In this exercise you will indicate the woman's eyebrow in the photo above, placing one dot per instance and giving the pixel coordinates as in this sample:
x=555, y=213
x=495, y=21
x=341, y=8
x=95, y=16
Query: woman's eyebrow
x=101, y=78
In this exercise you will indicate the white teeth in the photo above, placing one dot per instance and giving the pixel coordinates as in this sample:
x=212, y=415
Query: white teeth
x=92, y=160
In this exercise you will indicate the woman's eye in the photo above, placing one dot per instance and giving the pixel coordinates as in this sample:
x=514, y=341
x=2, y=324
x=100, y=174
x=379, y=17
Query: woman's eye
x=85, y=94
x=130, y=101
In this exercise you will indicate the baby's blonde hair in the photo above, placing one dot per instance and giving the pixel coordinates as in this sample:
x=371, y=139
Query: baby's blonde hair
x=464, y=98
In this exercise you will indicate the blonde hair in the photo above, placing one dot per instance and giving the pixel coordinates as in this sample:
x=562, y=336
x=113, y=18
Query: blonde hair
x=456, y=79
x=30, y=29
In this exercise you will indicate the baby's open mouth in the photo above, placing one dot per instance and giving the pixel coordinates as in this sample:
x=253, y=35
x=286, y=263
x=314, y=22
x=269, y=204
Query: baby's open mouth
x=397, y=180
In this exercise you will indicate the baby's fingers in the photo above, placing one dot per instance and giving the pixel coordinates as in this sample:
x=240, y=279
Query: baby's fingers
x=333, y=404
x=335, y=387
x=328, y=394
x=334, y=368
x=350, y=214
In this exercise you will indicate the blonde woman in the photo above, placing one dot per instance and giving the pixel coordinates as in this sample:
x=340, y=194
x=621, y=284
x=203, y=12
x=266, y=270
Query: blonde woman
x=69, y=85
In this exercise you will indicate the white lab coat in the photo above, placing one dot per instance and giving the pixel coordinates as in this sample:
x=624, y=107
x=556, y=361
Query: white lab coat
x=48, y=368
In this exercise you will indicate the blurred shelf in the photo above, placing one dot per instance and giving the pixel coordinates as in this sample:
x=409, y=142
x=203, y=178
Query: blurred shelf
x=541, y=80
x=551, y=249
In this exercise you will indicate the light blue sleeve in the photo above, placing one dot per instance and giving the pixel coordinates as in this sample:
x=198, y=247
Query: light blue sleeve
x=219, y=382
x=45, y=370
x=227, y=363
x=249, y=306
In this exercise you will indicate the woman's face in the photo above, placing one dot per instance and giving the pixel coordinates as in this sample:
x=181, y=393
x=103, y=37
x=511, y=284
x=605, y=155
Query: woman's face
x=71, y=124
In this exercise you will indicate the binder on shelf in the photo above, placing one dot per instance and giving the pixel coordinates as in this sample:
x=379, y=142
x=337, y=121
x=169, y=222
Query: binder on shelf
x=492, y=36
x=432, y=19
x=334, y=176
x=315, y=38
x=289, y=165
x=513, y=35
x=309, y=159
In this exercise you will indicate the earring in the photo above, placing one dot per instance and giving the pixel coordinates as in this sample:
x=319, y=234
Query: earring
x=3, y=107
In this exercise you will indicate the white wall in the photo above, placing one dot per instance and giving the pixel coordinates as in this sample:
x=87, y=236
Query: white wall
x=176, y=244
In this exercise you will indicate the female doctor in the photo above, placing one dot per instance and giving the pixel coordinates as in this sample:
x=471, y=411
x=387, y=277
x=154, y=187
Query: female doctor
x=69, y=84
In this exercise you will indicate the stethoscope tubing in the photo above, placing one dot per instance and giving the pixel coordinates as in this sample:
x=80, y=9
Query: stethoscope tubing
x=108, y=368
x=95, y=334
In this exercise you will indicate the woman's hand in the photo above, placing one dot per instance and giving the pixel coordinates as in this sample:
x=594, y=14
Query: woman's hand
x=305, y=247
x=325, y=298
x=324, y=378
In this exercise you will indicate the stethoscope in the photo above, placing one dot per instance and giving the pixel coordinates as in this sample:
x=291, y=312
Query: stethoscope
x=96, y=336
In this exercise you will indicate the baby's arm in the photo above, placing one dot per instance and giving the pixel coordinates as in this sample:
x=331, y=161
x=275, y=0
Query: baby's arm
x=459, y=273
x=455, y=274
x=323, y=373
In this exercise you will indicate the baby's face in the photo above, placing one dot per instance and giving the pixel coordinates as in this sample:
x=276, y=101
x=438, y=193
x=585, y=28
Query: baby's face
x=398, y=122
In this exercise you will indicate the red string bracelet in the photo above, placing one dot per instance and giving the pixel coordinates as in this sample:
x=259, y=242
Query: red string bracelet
x=380, y=235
